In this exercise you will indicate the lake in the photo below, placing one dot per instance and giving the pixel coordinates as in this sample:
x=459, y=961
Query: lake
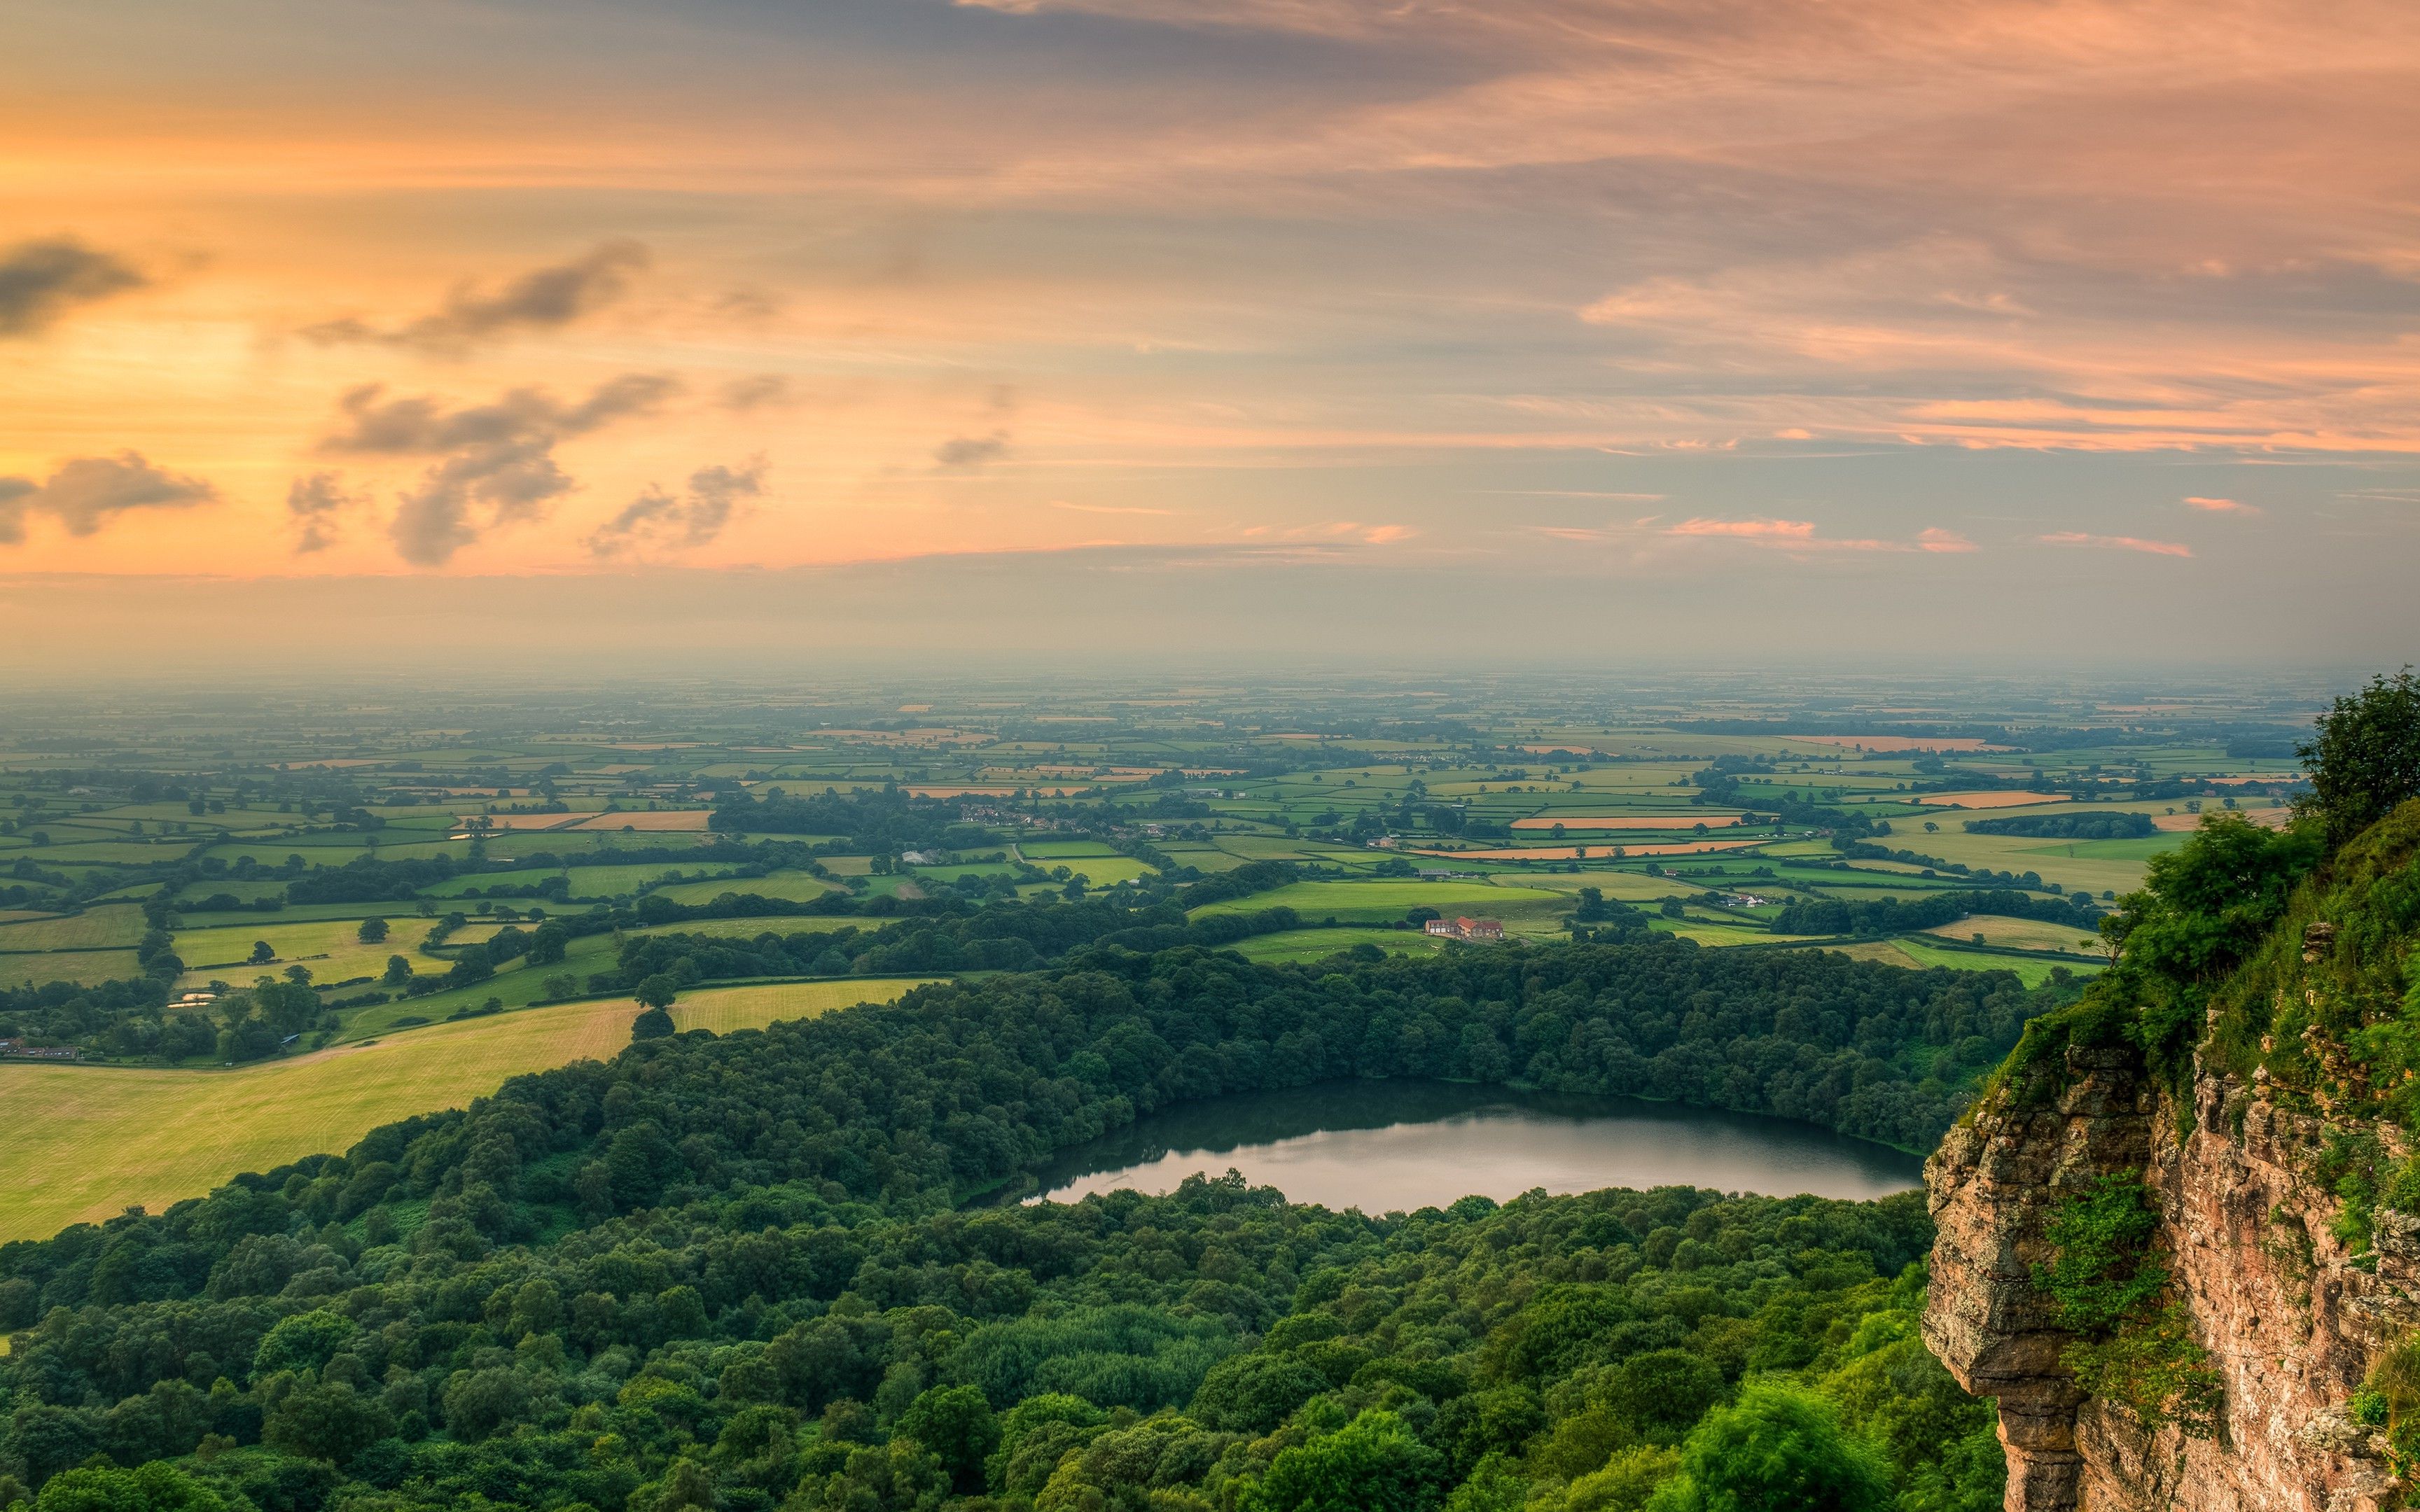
x=1391, y=1146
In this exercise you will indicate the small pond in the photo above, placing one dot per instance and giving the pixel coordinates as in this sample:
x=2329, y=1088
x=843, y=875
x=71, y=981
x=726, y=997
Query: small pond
x=1386, y=1146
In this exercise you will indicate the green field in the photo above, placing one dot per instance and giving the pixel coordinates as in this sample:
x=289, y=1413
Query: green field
x=1385, y=899
x=119, y=926
x=331, y=948
x=85, y=967
x=169, y=1134
x=796, y=885
x=1300, y=945
x=2032, y=970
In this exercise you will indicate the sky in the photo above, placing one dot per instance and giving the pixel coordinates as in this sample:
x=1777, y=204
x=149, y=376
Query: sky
x=2016, y=328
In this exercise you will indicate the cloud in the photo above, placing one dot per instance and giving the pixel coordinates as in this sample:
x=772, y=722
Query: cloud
x=970, y=453
x=661, y=521
x=1793, y=531
x=755, y=391
x=1109, y=509
x=544, y=298
x=2118, y=543
x=1795, y=535
x=313, y=503
x=498, y=458
x=2221, y=507
x=40, y=280
x=88, y=492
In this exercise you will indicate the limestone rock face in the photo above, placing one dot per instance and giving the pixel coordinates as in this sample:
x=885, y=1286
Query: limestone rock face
x=2292, y=1321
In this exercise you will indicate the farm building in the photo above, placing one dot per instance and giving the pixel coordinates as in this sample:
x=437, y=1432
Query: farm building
x=1466, y=928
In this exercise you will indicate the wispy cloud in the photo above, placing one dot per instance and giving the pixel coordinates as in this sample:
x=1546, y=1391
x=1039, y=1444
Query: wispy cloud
x=664, y=521
x=42, y=280
x=1800, y=535
x=2118, y=543
x=87, y=494
x=2220, y=506
x=543, y=298
x=495, y=463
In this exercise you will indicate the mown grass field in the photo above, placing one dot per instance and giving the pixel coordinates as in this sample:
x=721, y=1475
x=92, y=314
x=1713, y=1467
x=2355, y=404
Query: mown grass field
x=85, y=1142
x=332, y=948
x=2032, y=970
x=795, y=885
x=1298, y=945
x=1382, y=900
x=84, y=967
x=113, y=926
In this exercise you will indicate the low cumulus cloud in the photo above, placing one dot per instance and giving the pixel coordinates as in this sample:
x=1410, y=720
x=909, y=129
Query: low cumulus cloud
x=314, y=504
x=40, y=281
x=970, y=453
x=493, y=464
x=661, y=521
x=544, y=298
x=85, y=495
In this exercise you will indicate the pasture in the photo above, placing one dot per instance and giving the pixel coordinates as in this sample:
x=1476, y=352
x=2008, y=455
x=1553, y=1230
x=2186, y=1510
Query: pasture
x=110, y=926
x=1304, y=944
x=1382, y=900
x=87, y=968
x=171, y=1135
x=331, y=948
x=795, y=885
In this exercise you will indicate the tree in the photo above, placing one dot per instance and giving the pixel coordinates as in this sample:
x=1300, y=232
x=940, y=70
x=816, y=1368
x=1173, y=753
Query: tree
x=955, y=1423
x=398, y=971
x=655, y=1023
x=262, y=953
x=153, y=1488
x=1371, y=1464
x=373, y=932
x=2364, y=758
x=329, y=1421
x=658, y=991
x=1776, y=1449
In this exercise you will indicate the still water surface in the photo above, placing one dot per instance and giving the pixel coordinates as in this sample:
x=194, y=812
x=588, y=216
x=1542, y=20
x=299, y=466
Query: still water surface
x=1392, y=1145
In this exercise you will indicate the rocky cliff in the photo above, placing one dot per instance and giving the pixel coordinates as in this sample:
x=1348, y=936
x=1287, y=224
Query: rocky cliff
x=2269, y=1175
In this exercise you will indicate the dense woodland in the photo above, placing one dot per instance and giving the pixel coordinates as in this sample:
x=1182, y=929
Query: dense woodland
x=732, y=1271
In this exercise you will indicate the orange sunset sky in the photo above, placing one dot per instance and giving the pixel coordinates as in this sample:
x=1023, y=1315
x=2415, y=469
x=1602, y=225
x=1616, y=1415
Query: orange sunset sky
x=2094, y=324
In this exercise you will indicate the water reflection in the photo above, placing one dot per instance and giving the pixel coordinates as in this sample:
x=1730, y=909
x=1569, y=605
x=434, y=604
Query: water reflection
x=1401, y=1145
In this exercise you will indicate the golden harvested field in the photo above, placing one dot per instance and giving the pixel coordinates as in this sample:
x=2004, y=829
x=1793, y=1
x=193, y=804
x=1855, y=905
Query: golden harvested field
x=2277, y=818
x=1665, y=821
x=725, y=1009
x=1988, y=800
x=85, y=1142
x=1603, y=852
x=657, y=821
x=2024, y=934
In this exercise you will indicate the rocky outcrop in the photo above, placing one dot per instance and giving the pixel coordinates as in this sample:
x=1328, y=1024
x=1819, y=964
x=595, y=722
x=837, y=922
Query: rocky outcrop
x=2292, y=1320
